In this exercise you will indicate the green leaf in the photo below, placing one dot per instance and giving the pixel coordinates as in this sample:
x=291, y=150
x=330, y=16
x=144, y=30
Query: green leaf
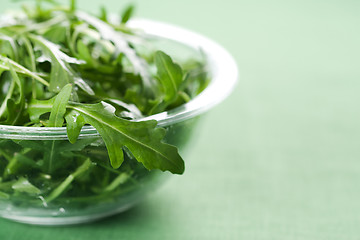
x=103, y=14
x=121, y=179
x=10, y=47
x=13, y=108
x=171, y=77
x=31, y=62
x=127, y=14
x=131, y=111
x=37, y=108
x=65, y=184
x=4, y=195
x=60, y=70
x=20, y=69
x=19, y=163
x=3, y=107
x=59, y=107
x=84, y=52
x=56, y=34
x=108, y=33
x=143, y=139
x=23, y=185
x=74, y=124
x=72, y=5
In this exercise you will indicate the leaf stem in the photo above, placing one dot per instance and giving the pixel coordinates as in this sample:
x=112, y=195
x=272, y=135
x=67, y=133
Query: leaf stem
x=20, y=69
x=62, y=187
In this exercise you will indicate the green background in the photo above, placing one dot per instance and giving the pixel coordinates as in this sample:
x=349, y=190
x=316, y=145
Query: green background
x=280, y=158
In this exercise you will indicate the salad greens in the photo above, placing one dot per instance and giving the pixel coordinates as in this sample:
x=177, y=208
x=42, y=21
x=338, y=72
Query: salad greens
x=81, y=69
x=61, y=67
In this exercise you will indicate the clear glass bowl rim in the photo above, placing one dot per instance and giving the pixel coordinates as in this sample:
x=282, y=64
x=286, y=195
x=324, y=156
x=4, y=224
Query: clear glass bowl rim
x=222, y=67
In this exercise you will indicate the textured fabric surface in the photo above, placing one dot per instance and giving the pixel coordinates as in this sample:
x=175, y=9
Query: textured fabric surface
x=279, y=159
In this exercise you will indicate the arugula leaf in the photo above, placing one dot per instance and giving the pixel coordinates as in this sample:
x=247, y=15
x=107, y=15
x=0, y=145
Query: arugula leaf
x=72, y=5
x=3, y=106
x=58, y=109
x=4, y=195
x=23, y=185
x=171, y=77
x=36, y=89
x=37, y=108
x=13, y=108
x=131, y=111
x=4, y=65
x=56, y=34
x=10, y=49
x=61, y=72
x=74, y=124
x=103, y=14
x=62, y=187
x=121, y=179
x=84, y=53
x=108, y=33
x=60, y=69
x=127, y=14
x=143, y=139
x=19, y=164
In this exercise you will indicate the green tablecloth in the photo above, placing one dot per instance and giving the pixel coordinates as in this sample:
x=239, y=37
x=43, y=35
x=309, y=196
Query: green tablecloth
x=280, y=159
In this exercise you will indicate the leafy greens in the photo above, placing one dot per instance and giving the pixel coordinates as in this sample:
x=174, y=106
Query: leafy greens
x=61, y=67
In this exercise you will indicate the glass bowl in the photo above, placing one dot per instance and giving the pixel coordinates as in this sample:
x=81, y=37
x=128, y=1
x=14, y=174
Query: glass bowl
x=58, y=202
